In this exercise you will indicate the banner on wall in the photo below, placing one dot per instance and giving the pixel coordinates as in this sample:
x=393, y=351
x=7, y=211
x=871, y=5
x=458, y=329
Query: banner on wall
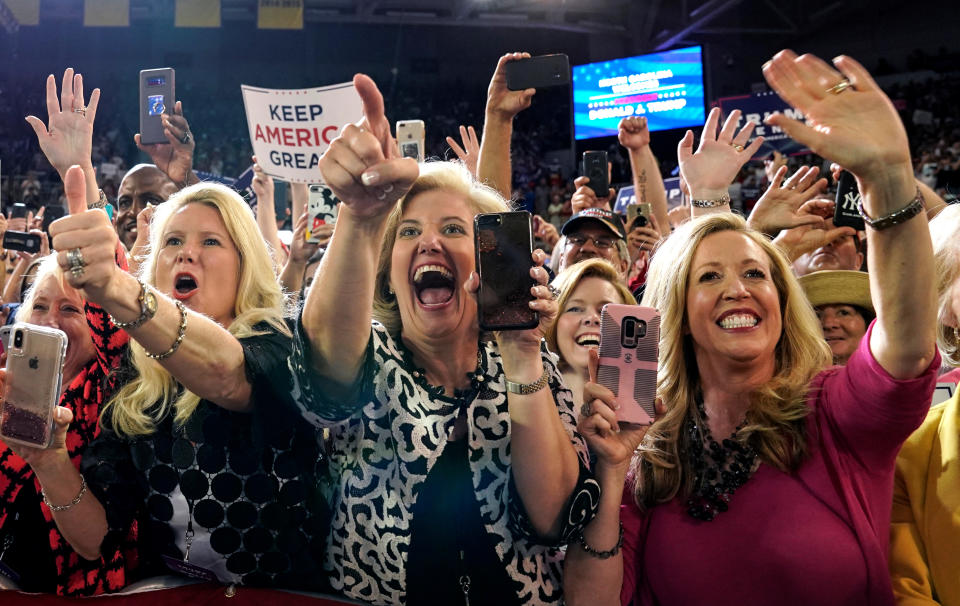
x=106, y=13
x=756, y=108
x=197, y=13
x=627, y=196
x=290, y=129
x=280, y=14
x=24, y=12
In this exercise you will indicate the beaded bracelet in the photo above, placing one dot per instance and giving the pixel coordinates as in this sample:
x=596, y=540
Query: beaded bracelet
x=181, y=332
x=723, y=200
x=913, y=208
x=76, y=499
x=603, y=555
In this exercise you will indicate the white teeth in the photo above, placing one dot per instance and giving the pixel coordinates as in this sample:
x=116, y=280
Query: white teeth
x=589, y=340
x=739, y=321
x=443, y=271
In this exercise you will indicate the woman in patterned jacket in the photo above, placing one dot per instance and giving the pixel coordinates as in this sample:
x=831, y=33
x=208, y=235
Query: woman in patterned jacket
x=455, y=469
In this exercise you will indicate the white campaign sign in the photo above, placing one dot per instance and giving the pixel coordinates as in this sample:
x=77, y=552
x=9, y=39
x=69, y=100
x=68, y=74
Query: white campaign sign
x=290, y=129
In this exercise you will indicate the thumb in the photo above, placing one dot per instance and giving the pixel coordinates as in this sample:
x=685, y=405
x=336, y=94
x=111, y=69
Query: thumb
x=38, y=126
x=472, y=284
x=75, y=188
x=63, y=417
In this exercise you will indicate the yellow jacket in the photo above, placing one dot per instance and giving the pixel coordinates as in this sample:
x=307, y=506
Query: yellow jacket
x=925, y=522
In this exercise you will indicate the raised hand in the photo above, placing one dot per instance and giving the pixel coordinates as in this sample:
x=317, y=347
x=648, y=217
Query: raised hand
x=501, y=101
x=779, y=207
x=363, y=166
x=855, y=126
x=799, y=240
x=633, y=133
x=642, y=237
x=67, y=138
x=85, y=240
x=773, y=164
x=174, y=158
x=545, y=231
x=262, y=183
x=584, y=197
x=469, y=154
x=300, y=249
x=712, y=168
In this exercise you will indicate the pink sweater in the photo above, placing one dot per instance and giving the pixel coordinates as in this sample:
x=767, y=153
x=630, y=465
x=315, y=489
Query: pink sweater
x=818, y=536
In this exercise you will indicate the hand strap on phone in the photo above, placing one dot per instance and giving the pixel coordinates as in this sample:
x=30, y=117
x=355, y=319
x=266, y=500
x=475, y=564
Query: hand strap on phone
x=911, y=210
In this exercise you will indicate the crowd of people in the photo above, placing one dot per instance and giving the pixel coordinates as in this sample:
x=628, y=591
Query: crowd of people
x=329, y=417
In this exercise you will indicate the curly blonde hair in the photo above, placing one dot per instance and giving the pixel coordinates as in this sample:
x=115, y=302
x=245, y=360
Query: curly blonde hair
x=777, y=415
x=259, y=299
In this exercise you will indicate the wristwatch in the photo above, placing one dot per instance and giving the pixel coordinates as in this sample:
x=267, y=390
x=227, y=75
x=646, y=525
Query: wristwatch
x=148, y=308
x=525, y=389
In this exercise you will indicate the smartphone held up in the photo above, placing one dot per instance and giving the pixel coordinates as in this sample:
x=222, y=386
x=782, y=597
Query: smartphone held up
x=31, y=391
x=629, y=352
x=157, y=97
x=504, y=245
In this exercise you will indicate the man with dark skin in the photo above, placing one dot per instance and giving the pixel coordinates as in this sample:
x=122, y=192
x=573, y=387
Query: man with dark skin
x=142, y=185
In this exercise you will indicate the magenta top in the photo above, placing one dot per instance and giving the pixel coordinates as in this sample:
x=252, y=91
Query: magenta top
x=818, y=536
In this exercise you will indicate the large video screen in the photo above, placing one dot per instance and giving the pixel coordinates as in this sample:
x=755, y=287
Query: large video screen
x=665, y=87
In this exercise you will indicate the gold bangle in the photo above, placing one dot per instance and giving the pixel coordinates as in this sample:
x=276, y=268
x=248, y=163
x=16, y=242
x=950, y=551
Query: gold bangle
x=181, y=332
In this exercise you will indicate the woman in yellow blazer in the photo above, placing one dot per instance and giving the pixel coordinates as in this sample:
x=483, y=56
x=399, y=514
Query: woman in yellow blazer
x=925, y=522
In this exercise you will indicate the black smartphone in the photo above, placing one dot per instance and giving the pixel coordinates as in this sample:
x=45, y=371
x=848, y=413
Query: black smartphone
x=51, y=214
x=21, y=240
x=18, y=211
x=847, y=213
x=538, y=72
x=594, y=166
x=504, y=244
x=156, y=98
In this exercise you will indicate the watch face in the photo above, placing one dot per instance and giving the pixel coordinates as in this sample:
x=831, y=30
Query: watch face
x=150, y=302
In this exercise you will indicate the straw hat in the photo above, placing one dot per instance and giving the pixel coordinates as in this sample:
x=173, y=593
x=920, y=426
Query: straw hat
x=838, y=287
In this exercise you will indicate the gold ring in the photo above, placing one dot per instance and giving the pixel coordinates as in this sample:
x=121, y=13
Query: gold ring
x=80, y=110
x=737, y=147
x=839, y=87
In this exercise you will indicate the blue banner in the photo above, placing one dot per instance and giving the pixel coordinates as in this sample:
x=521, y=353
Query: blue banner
x=627, y=196
x=756, y=108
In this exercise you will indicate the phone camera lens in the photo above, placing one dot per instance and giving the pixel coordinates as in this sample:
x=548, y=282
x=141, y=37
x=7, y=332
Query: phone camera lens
x=18, y=339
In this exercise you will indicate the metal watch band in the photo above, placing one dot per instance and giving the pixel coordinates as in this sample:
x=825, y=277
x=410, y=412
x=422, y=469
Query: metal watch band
x=100, y=203
x=147, y=311
x=525, y=389
x=911, y=210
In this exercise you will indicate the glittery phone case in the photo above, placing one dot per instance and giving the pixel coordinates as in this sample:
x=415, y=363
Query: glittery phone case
x=629, y=350
x=32, y=388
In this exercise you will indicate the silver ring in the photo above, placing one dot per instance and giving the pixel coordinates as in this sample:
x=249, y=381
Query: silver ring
x=80, y=110
x=76, y=272
x=75, y=261
x=554, y=291
x=186, y=138
x=382, y=195
x=839, y=87
x=585, y=410
x=388, y=188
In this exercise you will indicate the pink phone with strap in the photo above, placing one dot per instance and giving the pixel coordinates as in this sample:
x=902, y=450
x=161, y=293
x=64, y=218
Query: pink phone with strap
x=629, y=352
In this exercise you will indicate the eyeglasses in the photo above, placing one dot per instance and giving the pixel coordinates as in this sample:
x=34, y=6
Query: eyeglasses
x=602, y=242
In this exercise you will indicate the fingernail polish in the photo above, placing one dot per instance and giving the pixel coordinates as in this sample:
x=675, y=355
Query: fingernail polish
x=369, y=178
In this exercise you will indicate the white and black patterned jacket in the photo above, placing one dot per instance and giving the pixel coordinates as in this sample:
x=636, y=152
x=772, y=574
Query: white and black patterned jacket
x=385, y=441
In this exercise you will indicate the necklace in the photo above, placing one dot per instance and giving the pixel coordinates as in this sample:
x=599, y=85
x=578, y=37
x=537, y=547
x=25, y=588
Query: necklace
x=719, y=468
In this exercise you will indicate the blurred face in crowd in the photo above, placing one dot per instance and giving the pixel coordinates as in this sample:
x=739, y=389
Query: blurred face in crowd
x=733, y=306
x=198, y=262
x=432, y=258
x=591, y=240
x=143, y=185
x=843, y=327
x=57, y=305
x=578, y=325
x=842, y=253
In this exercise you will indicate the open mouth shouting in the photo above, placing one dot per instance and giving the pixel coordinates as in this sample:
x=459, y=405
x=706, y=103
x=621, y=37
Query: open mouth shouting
x=433, y=285
x=185, y=285
x=738, y=320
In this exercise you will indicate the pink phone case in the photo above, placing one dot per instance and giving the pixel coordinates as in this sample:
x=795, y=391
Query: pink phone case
x=629, y=348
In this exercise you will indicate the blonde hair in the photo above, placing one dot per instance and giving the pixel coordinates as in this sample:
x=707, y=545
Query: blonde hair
x=570, y=278
x=259, y=299
x=452, y=177
x=777, y=415
x=48, y=267
x=944, y=231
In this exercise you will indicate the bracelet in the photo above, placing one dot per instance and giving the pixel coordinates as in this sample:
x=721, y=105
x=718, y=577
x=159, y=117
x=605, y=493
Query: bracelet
x=525, y=389
x=603, y=555
x=148, y=308
x=100, y=203
x=181, y=332
x=76, y=499
x=723, y=200
x=911, y=210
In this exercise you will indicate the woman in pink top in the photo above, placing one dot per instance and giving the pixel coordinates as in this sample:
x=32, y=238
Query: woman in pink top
x=768, y=478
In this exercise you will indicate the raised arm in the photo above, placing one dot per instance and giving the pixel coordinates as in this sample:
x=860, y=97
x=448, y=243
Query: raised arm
x=67, y=138
x=852, y=122
x=710, y=170
x=174, y=158
x=634, y=135
x=493, y=167
x=209, y=361
x=267, y=212
x=364, y=169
